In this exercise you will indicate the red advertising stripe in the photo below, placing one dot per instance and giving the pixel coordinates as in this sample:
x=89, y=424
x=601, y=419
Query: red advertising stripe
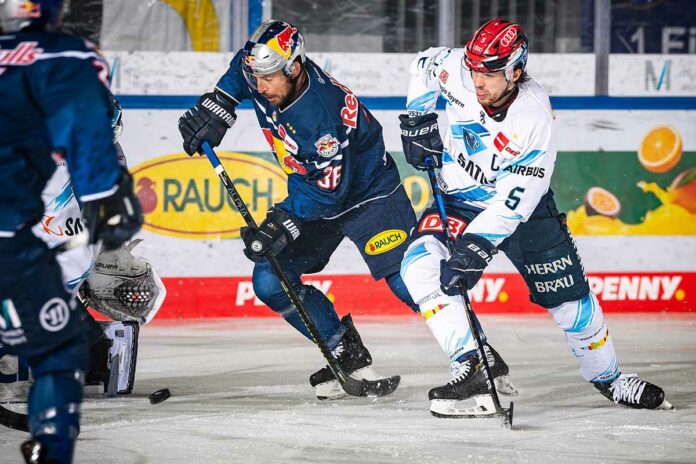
x=196, y=297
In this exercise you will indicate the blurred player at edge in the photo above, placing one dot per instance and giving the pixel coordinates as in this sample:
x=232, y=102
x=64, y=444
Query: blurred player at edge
x=54, y=106
x=341, y=183
x=115, y=283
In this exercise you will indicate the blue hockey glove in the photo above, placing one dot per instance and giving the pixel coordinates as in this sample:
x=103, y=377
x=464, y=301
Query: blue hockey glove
x=274, y=233
x=421, y=139
x=207, y=121
x=116, y=218
x=470, y=255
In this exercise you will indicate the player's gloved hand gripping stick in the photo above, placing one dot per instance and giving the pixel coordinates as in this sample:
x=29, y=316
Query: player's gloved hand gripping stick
x=350, y=385
x=505, y=414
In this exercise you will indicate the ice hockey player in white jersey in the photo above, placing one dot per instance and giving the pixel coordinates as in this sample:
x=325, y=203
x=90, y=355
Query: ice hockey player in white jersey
x=495, y=166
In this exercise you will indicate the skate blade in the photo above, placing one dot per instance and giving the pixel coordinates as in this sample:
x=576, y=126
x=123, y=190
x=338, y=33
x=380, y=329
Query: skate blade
x=332, y=390
x=475, y=407
x=665, y=405
x=504, y=386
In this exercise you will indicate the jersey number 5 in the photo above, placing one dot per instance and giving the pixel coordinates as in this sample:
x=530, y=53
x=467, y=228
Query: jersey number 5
x=332, y=176
x=513, y=199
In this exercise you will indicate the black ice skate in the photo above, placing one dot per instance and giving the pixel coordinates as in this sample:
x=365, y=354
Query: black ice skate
x=467, y=395
x=353, y=358
x=629, y=390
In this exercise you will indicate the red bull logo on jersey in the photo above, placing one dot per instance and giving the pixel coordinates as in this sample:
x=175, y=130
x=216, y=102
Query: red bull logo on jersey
x=327, y=146
x=24, y=54
x=183, y=197
x=385, y=241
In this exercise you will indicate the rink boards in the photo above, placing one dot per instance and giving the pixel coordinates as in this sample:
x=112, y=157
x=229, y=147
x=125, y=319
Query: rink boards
x=642, y=260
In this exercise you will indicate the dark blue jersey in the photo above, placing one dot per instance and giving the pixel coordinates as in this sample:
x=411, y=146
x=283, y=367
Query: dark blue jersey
x=54, y=104
x=327, y=142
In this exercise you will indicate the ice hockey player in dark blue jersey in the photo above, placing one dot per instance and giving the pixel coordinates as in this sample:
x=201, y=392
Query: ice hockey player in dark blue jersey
x=341, y=183
x=54, y=105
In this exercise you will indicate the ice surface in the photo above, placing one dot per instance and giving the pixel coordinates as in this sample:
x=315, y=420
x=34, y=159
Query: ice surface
x=240, y=394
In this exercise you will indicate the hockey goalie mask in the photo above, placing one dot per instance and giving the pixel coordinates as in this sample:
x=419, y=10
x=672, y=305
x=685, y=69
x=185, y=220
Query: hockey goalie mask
x=124, y=287
x=274, y=46
x=498, y=45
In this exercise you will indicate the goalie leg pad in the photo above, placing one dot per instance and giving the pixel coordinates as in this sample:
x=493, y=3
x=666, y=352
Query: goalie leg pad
x=14, y=378
x=113, y=359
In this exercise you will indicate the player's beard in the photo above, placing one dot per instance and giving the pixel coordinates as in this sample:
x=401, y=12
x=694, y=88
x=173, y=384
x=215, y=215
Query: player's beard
x=297, y=86
x=499, y=100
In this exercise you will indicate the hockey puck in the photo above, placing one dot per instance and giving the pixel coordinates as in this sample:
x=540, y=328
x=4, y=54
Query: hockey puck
x=159, y=396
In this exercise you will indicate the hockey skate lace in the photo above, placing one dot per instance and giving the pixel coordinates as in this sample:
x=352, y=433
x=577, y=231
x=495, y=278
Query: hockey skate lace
x=460, y=371
x=627, y=388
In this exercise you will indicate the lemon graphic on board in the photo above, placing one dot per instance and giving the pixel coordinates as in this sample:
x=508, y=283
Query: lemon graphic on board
x=661, y=149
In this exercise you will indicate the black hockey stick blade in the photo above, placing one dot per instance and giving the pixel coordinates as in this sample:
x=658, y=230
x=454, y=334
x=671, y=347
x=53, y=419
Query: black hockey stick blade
x=381, y=387
x=13, y=420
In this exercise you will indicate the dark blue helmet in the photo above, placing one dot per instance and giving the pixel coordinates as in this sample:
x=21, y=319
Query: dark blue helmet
x=19, y=15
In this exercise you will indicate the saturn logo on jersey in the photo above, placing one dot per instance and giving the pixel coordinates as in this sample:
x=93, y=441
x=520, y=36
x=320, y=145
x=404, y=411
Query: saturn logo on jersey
x=54, y=315
x=385, y=241
x=327, y=146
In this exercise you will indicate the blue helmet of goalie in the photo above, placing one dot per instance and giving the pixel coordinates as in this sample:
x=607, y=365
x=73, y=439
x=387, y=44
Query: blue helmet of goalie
x=273, y=47
x=37, y=15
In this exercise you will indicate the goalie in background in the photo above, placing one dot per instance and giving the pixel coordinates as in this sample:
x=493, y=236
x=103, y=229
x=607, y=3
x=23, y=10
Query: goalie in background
x=115, y=283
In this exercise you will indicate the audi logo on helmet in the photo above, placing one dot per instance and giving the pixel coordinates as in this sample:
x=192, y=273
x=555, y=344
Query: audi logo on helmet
x=508, y=37
x=495, y=46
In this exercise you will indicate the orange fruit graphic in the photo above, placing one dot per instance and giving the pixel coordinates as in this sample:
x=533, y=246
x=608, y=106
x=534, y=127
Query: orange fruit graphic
x=661, y=149
x=599, y=201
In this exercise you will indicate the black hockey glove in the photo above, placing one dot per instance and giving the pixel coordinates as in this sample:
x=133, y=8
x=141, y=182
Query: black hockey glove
x=421, y=140
x=470, y=255
x=207, y=121
x=274, y=233
x=116, y=218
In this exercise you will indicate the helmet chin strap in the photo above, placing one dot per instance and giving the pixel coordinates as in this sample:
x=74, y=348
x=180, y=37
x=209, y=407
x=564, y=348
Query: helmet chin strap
x=504, y=96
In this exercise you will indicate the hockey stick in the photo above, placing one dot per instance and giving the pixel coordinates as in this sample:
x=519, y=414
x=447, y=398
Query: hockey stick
x=505, y=414
x=13, y=420
x=350, y=385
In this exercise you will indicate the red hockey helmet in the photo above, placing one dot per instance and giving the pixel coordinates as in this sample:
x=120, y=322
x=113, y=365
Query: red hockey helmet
x=497, y=45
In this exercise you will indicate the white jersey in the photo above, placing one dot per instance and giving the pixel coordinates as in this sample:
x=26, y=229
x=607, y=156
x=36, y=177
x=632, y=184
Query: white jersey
x=62, y=220
x=501, y=166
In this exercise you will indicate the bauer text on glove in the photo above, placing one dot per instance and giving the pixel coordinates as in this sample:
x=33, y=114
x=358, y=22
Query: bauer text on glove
x=421, y=140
